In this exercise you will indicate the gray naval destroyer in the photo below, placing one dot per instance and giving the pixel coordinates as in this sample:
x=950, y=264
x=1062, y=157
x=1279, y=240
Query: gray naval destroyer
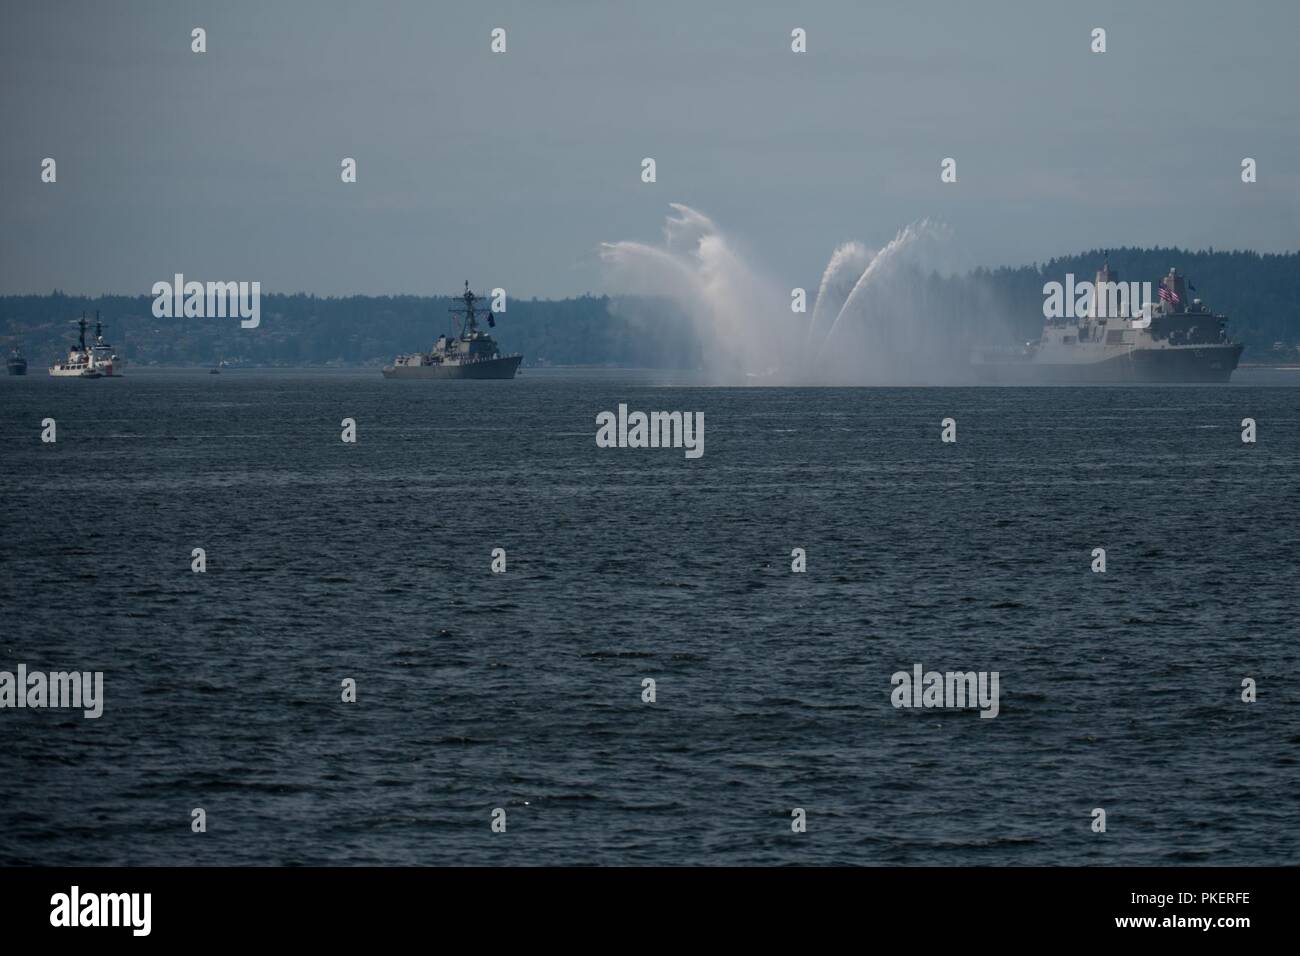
x=1170, y=340
x=17, y=363
x=469, y=353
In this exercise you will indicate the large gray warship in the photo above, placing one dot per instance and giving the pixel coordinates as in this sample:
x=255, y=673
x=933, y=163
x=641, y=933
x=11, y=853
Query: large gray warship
x=17, y=363
x=469, y=353
x=1169, y=340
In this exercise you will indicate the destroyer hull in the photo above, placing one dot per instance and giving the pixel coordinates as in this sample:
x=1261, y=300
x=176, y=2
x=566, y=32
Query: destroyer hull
x=498, y=368
x=1208, y=364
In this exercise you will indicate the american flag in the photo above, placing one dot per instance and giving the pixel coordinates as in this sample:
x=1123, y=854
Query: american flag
x=1168, y=295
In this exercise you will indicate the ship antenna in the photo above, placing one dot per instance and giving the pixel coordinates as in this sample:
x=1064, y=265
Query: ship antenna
x=469, y=326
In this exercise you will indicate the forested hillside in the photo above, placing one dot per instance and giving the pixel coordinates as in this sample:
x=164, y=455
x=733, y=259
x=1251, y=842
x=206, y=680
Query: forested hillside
x=1260, y=294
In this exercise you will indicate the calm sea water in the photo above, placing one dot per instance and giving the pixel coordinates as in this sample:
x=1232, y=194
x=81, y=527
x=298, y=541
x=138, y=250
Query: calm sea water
x=522, y=690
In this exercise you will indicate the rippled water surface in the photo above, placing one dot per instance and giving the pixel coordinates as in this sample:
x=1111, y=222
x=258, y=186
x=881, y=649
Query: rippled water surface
x=523, y=690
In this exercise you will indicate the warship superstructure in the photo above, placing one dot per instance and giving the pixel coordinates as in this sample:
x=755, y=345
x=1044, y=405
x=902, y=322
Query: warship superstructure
x=17, y=364
x=468, y=353
x=95, y=361
x=1171, y=339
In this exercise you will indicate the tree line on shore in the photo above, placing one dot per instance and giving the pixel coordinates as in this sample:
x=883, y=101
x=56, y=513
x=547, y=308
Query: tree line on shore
x=1260, y=293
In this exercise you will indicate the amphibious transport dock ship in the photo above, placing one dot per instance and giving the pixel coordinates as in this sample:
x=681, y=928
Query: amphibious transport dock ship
x=470, y=353
x=1170, y=340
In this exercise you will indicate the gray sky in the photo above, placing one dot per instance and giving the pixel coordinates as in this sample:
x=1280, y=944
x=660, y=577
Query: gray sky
x=512, y=169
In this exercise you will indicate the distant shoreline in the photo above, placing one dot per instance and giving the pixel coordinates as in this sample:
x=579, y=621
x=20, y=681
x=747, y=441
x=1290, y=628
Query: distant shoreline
x=1250, y=376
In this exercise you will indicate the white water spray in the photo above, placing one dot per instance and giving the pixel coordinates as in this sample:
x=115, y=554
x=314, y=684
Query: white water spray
x=743, y=320
x=847, y=262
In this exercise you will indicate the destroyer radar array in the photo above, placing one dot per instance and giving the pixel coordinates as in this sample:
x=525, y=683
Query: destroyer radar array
x=467, y=353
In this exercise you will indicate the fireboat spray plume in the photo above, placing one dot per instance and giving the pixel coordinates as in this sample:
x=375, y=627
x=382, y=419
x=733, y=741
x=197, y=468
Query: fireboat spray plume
x=847, y=263
x=743, y=319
